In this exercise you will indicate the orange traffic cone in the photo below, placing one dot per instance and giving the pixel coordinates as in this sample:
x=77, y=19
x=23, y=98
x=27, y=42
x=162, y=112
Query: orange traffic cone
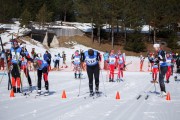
x=117, y=96
x=168, y=96
x=64, y=94
x=12, y=93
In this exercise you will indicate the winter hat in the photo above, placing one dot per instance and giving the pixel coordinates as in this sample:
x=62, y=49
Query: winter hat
x=77, y=52
x=91, y=52
x=14, y=42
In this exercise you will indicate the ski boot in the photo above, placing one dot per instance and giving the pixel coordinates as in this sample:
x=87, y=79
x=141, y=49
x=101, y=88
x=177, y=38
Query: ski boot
x=175, y=78
x=167, y=81
x=79, y=75
x=97, y=90
x=118, y=80
x=46, y=93
x=75, y=75
x=18, y=90
x=163, y=94
x=38, y=93
x=91, y=94
x=14, y=89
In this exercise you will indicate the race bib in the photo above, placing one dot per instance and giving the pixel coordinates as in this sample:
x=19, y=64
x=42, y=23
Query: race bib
x=112, y=60
x=77, y=60
x=15, y=56
x=91, y=61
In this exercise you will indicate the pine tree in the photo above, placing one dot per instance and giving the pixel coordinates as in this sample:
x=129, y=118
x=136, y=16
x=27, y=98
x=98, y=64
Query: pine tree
x=43, y=15
x=25, y=18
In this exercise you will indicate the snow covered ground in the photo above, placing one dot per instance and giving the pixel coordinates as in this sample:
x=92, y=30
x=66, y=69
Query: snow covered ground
x=106, y=107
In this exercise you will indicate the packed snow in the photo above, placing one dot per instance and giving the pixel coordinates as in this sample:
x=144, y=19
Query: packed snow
x=75, y=107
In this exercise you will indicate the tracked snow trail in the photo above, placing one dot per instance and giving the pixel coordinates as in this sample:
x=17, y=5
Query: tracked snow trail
x=104, y=108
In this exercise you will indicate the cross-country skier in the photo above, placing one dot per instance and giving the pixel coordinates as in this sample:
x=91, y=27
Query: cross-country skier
x=47, y=58
x=112, y=63
x=24, y=65
x=155, y=66
x=141, y=62
x=83, y=64
x=178, y=62
x=150, y=61
x=76, y=60
x=121, y=63
x=92, y=58
x=162, y=69
x=2, y=58
x=168, y=60
x=172, y=62
x=42, y=69
x=56, y=62
x=64, y=60
x=15, y=66
x=8, y=57
x=106, y=56
x=33, y=53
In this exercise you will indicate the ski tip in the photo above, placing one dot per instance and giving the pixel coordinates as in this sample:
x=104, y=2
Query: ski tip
x=138, y=97
x=147, y=97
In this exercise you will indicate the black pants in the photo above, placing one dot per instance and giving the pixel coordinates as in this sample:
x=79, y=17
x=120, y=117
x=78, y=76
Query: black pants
x=26, y=72
x=43, y=72
x=15, y=72
x=56, y=64
x=162, y=74
x=49, y=62
x=172, y=67
x=93, y=71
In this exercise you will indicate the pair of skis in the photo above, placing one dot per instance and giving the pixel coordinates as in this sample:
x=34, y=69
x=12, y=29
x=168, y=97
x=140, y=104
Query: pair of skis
x=94, y=96
x=41, y=94
x=29, y=93
x=140, y=96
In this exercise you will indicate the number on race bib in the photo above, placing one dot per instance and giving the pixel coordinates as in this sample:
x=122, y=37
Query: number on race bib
x=91, y=61
x=112, y=60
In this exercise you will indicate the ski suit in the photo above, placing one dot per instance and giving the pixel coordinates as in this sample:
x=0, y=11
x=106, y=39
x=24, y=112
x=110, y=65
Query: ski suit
x=24, y=65
x=77, y=65
x=162, y=69
x=15, y=68
x=168, y=73
x=106, y=56
x=121, y=63
x=92, y=64
x=155, y=68
x=112, y=63
x=42, y=70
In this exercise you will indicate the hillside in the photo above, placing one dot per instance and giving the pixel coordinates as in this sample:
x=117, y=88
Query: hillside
x=86, y=41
